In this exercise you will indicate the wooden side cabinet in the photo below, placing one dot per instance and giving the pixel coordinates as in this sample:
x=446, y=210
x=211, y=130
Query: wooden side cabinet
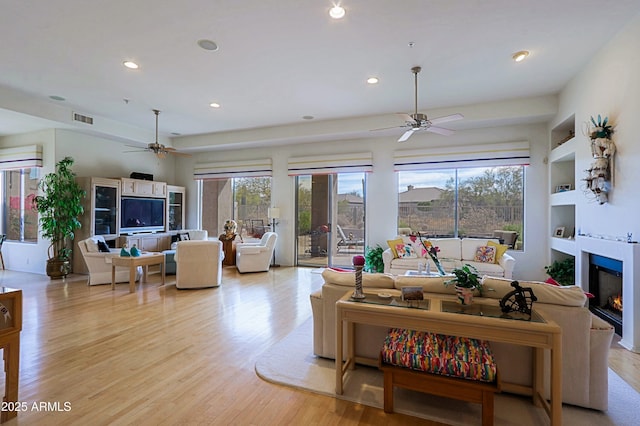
x=143, y=188
x=10, y=328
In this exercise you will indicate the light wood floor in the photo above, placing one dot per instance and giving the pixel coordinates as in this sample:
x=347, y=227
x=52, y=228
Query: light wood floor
x=164, y=356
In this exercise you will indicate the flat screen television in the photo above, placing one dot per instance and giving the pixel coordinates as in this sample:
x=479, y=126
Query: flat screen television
x=141, y=214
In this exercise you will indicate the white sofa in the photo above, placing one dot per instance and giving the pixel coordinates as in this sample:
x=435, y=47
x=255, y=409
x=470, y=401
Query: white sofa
x=99, y=263
x=454, y=252
x=585, y=338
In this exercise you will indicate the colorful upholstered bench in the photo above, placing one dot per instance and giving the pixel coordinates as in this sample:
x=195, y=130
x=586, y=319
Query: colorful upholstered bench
x=449, y=366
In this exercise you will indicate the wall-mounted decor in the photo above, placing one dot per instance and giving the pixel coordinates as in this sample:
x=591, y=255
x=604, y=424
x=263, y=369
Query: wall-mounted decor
x=598, y=179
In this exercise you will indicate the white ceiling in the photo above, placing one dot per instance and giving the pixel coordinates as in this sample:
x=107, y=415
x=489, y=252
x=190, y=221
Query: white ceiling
x=281, y=60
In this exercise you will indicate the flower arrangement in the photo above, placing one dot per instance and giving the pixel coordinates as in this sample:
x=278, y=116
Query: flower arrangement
x=432, y=251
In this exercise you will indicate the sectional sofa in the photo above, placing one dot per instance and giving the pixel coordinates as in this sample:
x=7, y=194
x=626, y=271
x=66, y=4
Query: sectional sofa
x=585, y=338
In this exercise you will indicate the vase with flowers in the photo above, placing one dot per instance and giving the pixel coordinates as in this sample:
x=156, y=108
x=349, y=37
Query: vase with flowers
x=432, y=251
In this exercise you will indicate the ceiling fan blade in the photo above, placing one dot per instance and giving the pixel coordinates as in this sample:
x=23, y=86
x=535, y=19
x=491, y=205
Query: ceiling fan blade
x=385, y=128
x=407, y=134
x=440, y=130
x=182, y=154
x=446, y=118
x=406, y=117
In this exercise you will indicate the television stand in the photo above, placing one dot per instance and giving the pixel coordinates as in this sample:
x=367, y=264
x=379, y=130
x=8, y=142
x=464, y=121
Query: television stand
x=156, y=242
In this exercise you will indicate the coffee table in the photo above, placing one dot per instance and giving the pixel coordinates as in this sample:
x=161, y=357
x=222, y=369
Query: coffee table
x=144, y=260
x=446, y=317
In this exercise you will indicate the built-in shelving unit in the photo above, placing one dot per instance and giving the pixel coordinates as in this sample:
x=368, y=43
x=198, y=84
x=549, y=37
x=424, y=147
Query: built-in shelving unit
x=562, y=189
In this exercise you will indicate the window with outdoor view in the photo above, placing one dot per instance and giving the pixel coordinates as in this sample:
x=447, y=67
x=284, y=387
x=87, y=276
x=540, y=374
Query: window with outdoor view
x=19, y=219
x=464, y=202
x=243, y=199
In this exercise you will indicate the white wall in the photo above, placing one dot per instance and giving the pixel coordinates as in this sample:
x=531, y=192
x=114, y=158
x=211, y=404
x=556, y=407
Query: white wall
x=382, y=187
x=609, y=85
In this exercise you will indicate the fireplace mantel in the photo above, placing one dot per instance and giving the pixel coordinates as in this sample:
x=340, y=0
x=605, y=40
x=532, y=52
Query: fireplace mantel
x=629, y=255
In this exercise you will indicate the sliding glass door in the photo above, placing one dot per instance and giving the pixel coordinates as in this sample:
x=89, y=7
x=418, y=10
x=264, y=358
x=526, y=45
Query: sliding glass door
x=330, y=219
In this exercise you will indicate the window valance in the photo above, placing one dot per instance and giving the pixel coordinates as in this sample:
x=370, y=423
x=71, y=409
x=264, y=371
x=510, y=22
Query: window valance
x=21, y=157
x=450, y=157
x=233, y=169
x=335, y=163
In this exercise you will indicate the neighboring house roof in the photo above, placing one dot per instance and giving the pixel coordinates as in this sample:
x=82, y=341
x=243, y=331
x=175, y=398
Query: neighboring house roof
x=416, y=195
x=350, y=198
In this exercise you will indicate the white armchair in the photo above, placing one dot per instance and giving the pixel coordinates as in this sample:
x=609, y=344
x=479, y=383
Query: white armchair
x=256, y=257
x=99, y=263
x=198, y=263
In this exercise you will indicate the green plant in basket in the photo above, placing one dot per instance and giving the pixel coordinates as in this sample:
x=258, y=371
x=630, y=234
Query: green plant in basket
x=466, y=277
x=562, y=271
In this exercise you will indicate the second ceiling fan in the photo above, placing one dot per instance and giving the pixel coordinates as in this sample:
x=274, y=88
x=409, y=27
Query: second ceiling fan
x=418, y=121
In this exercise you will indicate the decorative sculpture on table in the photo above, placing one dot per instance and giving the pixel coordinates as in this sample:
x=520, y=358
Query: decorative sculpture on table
x=230, y=228
x=598, y=179
x=358, y=263
x=519, y=300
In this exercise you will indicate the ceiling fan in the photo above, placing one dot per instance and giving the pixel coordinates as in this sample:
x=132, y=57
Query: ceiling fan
x=159, y=149
x=418, y=121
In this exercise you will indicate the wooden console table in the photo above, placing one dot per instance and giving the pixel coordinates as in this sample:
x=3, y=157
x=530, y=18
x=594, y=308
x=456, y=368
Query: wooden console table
x=144, y=260
x=541, y=335
x=10, y=328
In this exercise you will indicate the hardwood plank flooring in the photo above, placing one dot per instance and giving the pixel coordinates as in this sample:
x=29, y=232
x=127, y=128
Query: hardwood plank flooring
x=163, y=356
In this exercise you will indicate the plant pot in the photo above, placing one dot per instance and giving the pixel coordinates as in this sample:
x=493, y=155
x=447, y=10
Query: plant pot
x=465, y=295
x=58, y=268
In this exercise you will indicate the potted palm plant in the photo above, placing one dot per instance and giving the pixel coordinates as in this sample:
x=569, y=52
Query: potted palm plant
x=59, y=207
x=466, y=281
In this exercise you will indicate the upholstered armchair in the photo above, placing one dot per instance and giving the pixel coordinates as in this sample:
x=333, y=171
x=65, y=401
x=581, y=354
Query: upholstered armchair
x=256, y=257
x=198, y=263
x=99, y=263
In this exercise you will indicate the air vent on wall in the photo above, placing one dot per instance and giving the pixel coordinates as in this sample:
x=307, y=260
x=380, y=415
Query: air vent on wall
x=82, y=118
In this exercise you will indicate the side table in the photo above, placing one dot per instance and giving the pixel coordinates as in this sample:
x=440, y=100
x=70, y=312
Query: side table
x=132, y=262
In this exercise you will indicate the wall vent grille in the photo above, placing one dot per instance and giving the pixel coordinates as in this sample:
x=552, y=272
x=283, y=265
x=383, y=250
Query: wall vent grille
x=82, y=118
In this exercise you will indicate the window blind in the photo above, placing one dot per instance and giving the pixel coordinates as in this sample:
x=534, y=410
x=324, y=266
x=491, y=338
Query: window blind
x=335, y=163
x=22, y=157
x=232, y=169
x=487, y=155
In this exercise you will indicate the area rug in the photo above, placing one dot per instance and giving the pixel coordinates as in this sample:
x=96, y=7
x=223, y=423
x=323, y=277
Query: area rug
x=291, y=362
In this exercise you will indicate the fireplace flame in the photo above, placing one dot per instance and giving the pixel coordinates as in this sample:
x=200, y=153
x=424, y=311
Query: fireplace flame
x=616, y=302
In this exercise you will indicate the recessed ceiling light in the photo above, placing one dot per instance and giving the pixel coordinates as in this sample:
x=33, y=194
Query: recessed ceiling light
x=372, y=80
x=208, y=44
x=307, y=117
x=214, y=105
x=520, y=56
x=131, y=65
x=57, y=98
x=337, y=12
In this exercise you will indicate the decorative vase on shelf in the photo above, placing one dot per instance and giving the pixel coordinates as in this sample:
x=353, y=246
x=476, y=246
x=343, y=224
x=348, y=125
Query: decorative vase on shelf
x=124, y=252
x=134, y=251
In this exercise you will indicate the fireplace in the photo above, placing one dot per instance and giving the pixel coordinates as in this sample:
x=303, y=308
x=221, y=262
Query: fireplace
x=605, y=283
x=627, y=256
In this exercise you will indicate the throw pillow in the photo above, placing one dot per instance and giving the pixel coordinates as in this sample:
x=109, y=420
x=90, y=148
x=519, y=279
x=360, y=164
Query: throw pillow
x=500, y=249
x=393, y=244
x=405, y=251
x=557, y=284
x=92, y=246
x=485, y=254
x=184, y=237
x=103, y=247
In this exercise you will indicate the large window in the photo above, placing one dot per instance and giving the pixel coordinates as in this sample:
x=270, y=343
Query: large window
x=465, y=202
x=19, y=220
x=243, y=199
